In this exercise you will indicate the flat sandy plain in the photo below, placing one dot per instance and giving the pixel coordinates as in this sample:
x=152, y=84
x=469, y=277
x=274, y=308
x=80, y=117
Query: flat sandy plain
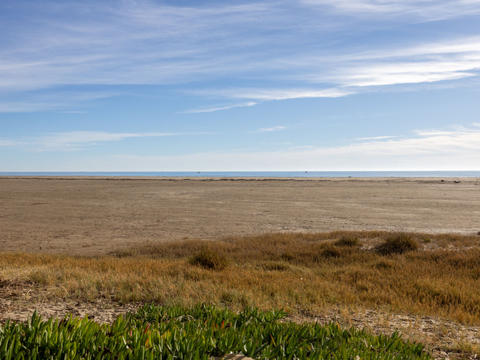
x=93, y=216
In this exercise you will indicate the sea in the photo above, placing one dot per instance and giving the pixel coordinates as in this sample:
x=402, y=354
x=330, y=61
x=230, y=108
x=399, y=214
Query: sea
x=260, y=174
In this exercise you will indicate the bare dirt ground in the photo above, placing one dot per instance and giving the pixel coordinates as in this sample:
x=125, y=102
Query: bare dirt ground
x=95, y=216
x=80, y=216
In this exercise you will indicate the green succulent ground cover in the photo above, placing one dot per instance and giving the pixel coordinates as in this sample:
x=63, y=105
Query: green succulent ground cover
x=200, y=332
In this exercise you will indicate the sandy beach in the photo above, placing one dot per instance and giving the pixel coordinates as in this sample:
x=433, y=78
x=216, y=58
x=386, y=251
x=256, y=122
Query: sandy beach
x=90, y=216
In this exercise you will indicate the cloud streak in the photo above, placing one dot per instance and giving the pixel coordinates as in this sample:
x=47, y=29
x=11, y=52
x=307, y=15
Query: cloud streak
x=76, y=140
x=426, y=10
x=219, y=108
x=272, y=129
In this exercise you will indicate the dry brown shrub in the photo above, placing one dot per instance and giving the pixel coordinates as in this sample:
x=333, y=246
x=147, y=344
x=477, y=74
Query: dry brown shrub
x=209, y=259
x=348, y=241
x=397, y=244
x=330, y=252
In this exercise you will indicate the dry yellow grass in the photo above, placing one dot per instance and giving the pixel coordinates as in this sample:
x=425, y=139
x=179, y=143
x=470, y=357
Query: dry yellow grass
x=297, y=272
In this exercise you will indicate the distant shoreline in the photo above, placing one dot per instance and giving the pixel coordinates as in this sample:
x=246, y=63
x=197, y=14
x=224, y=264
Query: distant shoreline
x=249, y=175
x=398, y=179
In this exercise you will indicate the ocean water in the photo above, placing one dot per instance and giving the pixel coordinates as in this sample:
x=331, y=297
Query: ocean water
x=263, y=174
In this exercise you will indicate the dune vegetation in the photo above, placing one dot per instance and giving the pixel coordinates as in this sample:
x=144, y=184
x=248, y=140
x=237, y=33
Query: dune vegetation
x=420, y=274
x=201, y=332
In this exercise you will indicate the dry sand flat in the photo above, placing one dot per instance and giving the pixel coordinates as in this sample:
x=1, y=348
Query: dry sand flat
x=96, y=215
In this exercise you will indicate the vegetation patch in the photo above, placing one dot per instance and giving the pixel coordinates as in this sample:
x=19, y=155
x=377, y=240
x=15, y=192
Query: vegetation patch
x=200, y=332
x=330, y=252
x=397, y=244
x=209, y=259
x=275, y=266
x=347, y=241
x=285, y=271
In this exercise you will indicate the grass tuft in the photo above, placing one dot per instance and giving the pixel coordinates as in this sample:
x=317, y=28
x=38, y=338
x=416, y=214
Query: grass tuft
x=397, y=244
x=347, y=241
x=209, y=259
x=331, y=252
x=275, y=266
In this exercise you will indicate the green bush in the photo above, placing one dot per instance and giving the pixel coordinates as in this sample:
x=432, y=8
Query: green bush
x=397, y=244
x=209, y=259
x=200, y=332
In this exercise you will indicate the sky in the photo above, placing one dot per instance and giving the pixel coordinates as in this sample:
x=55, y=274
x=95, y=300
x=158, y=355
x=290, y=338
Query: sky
x=150, y=85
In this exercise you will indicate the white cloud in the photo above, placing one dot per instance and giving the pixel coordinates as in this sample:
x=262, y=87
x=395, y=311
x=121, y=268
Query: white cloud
x=150, y=43
x=75, y=140
x=384, y=137
x=415, y=64
x=424, y=63
x=275, y=94
x=425, y=150
x=50, y=100
x=272, y=129
x=427, y=10
x=134, y=42
x=409, y=73
x=8, y=143
x=219, y=108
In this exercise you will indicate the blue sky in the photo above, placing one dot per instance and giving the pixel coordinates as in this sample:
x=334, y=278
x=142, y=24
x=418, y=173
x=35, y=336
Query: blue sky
x=144, y=85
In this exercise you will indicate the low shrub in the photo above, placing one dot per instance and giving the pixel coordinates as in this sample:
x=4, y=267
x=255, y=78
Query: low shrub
x=348, y=241
x=330, y=252
x=397, y=244
x=209, y=259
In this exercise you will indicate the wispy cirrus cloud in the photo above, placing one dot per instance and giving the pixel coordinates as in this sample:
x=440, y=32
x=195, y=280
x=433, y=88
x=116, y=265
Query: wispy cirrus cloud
x=140, y=43
x=425, y=63
x=427, y=10
x=36, y=101
x=75, y=140
x=271, y=94
x=219, y=108
x=272, y=129
x=383, y=137
x=348, y=73
x=8, y=143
